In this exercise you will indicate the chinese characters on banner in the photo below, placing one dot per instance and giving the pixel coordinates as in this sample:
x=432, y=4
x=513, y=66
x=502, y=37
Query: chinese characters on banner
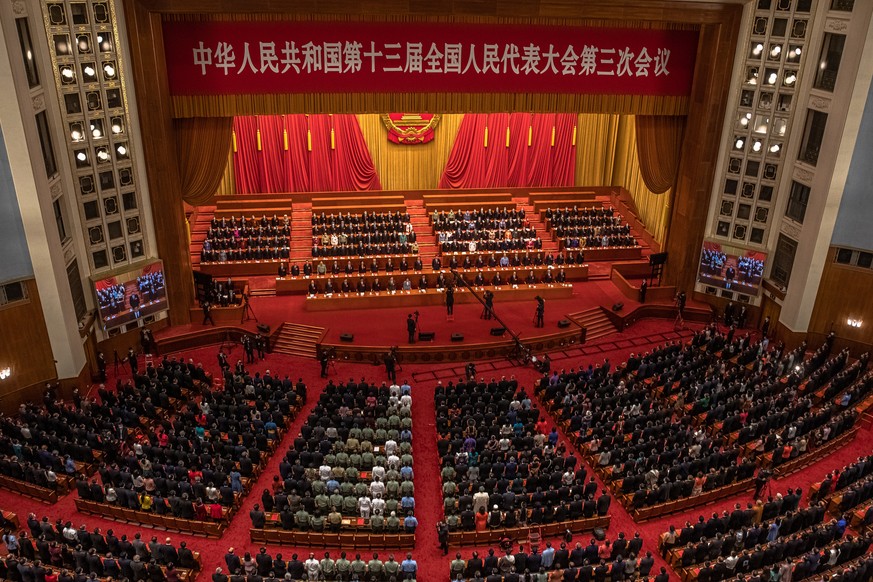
x=208, y=58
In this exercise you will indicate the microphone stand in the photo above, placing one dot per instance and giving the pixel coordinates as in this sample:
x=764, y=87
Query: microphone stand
x=520, y=354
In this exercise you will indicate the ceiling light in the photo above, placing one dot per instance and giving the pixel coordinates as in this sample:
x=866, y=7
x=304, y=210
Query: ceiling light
x=99, y=38
x=758, y=49
x=775, y=148
x=854, y=322
x=774, y=52
x=116, y=128
x=121, y=150
x=109, y=70
x=5, y=373
x=103, y=155
x=67, y=73
x=81, y=156
x=789, y=80
x=96, y=133
x=744, y=121
x=739, y=144
x=756, y=146
x=76, y=134
x=772, y=78
x=89, y=70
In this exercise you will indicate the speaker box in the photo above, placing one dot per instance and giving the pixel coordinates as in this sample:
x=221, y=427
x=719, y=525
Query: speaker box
x=618, y=306
x=426, y=336
x=347, y=337
x=498, y=330
x=457, y=337
x=264, y=328
x=564, y=323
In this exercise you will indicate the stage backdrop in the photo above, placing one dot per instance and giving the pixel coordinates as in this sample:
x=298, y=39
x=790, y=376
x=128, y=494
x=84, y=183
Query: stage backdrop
x=237, y=58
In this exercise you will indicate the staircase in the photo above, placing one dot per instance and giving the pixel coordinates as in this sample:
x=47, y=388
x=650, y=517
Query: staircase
x=200, y=221
x=428, y=247
x=595, y=322
x=295, y=339
x=301, y=233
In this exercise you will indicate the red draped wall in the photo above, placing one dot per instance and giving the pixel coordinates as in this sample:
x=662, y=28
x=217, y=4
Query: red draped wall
x=297, y=153
x=532, y=157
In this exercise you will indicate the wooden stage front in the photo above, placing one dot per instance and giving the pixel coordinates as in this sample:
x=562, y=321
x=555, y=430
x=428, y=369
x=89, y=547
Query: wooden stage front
x=386, y=299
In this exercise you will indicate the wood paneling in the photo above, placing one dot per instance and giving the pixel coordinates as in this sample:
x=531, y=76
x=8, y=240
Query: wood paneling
x=700, y=148
x=24, y=349
x=844, y=292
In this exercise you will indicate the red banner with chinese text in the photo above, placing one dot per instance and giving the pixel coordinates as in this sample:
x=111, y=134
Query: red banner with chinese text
x=227, y=58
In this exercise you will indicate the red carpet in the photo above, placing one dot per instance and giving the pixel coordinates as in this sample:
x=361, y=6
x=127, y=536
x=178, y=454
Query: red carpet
x=432, y=565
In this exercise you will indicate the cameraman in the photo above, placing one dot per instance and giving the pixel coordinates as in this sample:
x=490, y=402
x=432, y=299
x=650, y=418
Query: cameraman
x=324, y=359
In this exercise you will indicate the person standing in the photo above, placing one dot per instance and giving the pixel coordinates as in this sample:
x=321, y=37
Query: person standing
x=391, y=367
x=540, y=312
x=450, y=301
x=410, y=328
x=643, y=288
x=132, y=360
x=207, y=313
x=765, y=327
x=489, y=305
x=443, y=536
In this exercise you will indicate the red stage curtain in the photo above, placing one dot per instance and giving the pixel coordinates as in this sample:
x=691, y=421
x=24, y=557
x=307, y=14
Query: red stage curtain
x=530, y=159
x=498, y=153
x=246, y=166
x=313, y=161
x=467, y=164
x=272, y=155
x=659, y=144
x=519, y=125
x=298, y=155
x=564, y=156
x=353, y=165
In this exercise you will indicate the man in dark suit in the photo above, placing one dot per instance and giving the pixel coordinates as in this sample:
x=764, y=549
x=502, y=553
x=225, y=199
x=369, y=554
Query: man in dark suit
x=410, y=328
x=603, y=503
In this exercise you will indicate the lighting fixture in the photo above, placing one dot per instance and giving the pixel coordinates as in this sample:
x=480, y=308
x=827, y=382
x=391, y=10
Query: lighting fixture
x=774, y=52
x=96, y=133
x=89, y=71
x=758, y=49
x=756, y=146
x=81, y=156
x=772, y=78
x=76, y=135
x=116, y=128
x=109, y=70
x=775, y=148
x=67, y=73
x=854, y=322
x=121, y=150
x=5, y=373
x=102, y=155
x=790, y=79
x=739, y=144
x=744, y=121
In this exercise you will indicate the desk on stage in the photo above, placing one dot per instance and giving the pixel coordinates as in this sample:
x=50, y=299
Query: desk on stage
x=387, y=299
x=300, y=284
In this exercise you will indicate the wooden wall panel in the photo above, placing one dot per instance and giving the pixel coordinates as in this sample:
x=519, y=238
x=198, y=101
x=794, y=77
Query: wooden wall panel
x=844, y=292
x=24, y=349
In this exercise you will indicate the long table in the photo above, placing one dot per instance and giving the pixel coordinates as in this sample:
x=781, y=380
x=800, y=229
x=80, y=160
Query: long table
x=300, y=284
x=386, y=299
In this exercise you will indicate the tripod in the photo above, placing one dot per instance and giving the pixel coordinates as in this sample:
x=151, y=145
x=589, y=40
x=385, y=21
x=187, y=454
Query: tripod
x=679, y=322
x=226, y=342
x=248, y=313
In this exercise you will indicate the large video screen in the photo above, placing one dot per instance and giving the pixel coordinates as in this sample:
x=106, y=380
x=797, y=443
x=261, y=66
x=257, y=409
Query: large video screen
x=129, y=296
x=731, y=268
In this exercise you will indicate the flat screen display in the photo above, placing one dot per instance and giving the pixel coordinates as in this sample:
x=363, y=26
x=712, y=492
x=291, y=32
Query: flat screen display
x=132, y=295
x=731, y=268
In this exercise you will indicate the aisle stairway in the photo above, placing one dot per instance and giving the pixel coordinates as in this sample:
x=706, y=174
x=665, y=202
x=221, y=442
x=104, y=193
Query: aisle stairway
x=301, y=233
x=295, y=339
x=199, y=222
x=595, y=321
x=424, y=233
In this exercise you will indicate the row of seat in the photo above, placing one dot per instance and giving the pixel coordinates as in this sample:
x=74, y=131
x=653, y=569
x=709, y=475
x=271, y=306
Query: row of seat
x=551, y=530
x=353, y=540
x=209, y=529
x=43, y=494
